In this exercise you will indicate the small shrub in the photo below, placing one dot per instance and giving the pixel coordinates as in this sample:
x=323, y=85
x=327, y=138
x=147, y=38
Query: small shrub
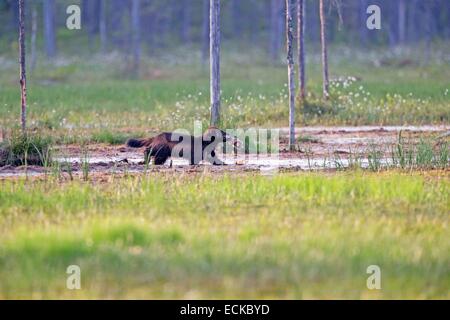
x=29, y=149
x=442, y=157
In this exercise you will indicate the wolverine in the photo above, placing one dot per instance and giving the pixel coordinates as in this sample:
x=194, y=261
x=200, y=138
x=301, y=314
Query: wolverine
x=181, y=145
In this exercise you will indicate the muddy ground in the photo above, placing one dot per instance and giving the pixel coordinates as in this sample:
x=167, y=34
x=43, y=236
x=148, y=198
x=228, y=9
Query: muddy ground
x=319, y=148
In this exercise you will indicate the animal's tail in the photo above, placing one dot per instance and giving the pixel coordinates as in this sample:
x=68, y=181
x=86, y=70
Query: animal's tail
x=137, y=143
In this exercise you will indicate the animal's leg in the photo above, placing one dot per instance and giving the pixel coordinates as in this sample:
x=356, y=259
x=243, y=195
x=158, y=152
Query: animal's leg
x=160, y=160
x=161, y=155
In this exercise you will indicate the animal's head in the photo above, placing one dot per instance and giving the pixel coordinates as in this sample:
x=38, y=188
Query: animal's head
x=215, y=134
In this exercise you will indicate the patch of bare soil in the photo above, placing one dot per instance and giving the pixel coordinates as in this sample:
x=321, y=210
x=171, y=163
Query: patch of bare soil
x=319, y=148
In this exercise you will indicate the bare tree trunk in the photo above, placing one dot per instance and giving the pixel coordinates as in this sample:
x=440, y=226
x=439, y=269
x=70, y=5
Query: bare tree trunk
x=136, y=36
x=49, y=28
x=23, y=76
x=290, y=7
x=214, y=55
x=205, y=31
x=323, y=39
x=102, y=25
x=33, y=38
x=301, y=46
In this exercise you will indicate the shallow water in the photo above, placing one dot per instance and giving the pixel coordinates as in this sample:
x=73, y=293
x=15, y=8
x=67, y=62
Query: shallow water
x=330, y=141
x=264, y=164
x=350, y=129
x=246, y=162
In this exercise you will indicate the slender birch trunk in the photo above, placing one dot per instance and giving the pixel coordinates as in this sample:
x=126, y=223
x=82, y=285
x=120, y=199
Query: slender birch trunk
x=23, y=76
x=323, y=39
x=214, y=55
x=301, y=47
x=290, y=6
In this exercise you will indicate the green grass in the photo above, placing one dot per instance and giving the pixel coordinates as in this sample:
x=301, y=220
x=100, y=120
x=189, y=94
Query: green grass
x=29, y=149
x=109, y=137
x=287, y=236
x=77, y=97
x=293, y=235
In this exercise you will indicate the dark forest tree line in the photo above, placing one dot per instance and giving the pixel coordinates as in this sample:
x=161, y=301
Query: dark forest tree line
x=112, y=24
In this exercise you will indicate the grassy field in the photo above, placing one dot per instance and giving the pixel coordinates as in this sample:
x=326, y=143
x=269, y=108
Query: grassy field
x=228, y=235
x=295, y=235
x=94, y=98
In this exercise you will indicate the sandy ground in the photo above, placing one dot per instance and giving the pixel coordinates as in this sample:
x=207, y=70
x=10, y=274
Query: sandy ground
x=320, y=148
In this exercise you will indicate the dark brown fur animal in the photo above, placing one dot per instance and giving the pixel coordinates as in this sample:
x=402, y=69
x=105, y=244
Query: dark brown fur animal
x=173, y=144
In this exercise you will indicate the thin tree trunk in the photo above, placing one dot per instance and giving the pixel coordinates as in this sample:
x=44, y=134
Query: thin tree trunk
x=301, y=47
x=205, y=30
x=49, y=28
x=34, y=17
x=136, y=36
x=290, y=7
x=323, y=39
x=214, y=52
x=102, y=25
x=23, y=76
